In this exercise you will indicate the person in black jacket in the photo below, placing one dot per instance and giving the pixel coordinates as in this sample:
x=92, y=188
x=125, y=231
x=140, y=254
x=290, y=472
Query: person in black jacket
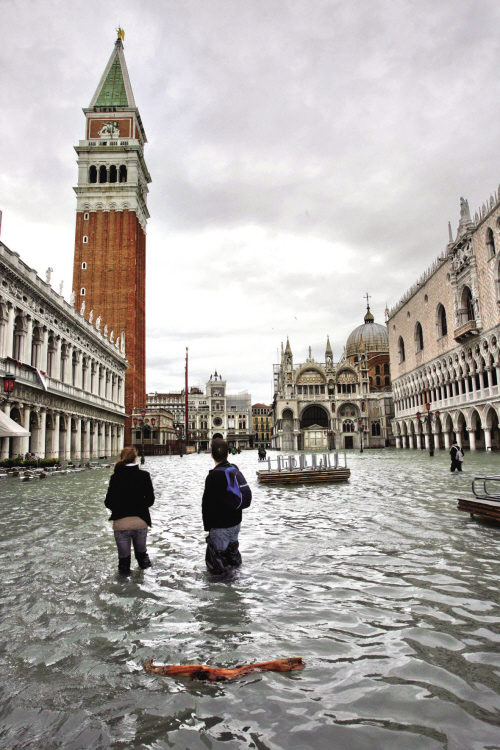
x=226, y=495
x=129, y=497
x=457, y=457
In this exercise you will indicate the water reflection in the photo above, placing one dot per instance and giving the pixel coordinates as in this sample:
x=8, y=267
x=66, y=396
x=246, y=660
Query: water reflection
x=388, y=593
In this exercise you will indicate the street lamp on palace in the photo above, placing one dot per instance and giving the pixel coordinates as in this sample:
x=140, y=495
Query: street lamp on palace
x=8, y=385
x=140, y=423
x=361, y=429
x=426, y=419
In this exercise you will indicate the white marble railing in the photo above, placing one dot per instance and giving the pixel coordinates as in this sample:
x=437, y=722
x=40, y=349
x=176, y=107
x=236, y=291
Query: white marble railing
x=482, y=394
x=28, y=375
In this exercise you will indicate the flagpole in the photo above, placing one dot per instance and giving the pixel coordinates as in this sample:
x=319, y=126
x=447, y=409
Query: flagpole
x=186, y=401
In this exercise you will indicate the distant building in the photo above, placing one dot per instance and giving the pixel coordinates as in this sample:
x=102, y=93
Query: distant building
x=326, y=405
x=261, y=418
x=213, y=413
x=444, y=341
x=69, y=392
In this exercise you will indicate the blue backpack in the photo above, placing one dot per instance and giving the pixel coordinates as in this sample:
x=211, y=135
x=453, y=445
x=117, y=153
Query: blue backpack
x=239, y=494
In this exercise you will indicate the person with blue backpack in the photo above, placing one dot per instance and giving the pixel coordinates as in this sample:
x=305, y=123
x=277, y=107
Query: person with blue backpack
x=226, y=495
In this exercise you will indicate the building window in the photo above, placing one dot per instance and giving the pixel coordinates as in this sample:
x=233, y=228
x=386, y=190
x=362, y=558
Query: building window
x=113, y=174
x=419, y=338
x=86, y=216
x=103, y=173
x=375, y=429
x=85, y=239
x=401, y=350
x=84, y=266
x=93, y=174
x=377, y=370
x=378, y=381
x=123, y=173
x=490, y=243
x=386, y=369
x=387, y=381
x=82, y=291
x=467, y=310
x=442, y=323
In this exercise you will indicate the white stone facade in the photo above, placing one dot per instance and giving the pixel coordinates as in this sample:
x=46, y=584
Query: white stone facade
x=444, y=342
x=69, y=392
x=328, y=406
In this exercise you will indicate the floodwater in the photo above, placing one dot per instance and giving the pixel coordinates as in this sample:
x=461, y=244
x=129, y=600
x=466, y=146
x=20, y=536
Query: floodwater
x=388, y=593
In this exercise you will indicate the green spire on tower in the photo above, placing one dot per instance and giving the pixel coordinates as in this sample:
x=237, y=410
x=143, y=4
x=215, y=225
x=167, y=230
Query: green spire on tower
x=113, y=91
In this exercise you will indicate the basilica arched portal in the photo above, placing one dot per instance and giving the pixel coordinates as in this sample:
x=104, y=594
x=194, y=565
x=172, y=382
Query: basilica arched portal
x=314, y=425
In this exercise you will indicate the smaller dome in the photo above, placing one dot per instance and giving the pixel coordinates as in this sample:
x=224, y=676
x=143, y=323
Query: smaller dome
x=370, y=337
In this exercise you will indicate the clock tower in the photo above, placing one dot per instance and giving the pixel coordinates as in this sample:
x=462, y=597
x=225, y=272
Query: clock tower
x=109, y=272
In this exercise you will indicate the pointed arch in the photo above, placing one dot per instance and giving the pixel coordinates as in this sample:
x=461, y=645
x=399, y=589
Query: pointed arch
x=419, y=337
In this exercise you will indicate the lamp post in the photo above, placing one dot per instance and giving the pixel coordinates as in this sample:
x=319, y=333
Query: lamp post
x=427, y=420
x=140, y=423
x=8, y=385
x=153, y=424
x=361, y=431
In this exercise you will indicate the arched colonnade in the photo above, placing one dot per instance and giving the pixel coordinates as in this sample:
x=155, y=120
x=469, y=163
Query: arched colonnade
x=473, y=428
x=58, y=434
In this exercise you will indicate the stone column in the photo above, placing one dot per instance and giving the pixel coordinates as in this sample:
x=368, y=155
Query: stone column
x=459, y=439
x=109, y=452
x=56, y=366
x=9, y=334
x=403, y=441
x=419, y=440
x=5, y=441
x=28, y=340
x=498, y=374
x=427, y=440
x=447, y=440
x=45, y=350
x=77, y=452
x=67, y=445
x=86, y=440
x=398, y=441
x=40, y=451
x=56, y=436
x=68, y=370
x=472, y=440
x=487, y=438
x=25, y=441
x=410, y=441
x=435, y=437
x=120, y=434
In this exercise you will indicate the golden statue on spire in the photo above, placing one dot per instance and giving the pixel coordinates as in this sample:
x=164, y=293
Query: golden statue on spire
x=121, y=33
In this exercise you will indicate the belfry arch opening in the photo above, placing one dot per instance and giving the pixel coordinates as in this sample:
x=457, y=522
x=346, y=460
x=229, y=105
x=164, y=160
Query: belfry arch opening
x=313, y=415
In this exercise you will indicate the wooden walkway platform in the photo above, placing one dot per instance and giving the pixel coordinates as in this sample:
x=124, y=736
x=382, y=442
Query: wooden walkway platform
x=486, y=508
x=305, y=476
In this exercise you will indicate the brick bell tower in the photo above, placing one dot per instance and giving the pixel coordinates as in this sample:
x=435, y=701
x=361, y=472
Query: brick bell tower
x=109, y=272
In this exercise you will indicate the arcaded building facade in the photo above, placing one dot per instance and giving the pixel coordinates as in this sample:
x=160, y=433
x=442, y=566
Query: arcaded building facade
x=323, y=405
x=443, y=338
x=69, y=393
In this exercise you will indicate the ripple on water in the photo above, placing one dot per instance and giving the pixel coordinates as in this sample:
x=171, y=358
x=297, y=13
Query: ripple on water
x=387, y=592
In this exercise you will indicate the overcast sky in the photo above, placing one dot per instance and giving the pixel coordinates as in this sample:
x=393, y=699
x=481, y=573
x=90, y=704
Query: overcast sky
x=302, y=152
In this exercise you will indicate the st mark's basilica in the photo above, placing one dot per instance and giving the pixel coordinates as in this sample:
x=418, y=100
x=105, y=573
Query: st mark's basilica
x=328, y=405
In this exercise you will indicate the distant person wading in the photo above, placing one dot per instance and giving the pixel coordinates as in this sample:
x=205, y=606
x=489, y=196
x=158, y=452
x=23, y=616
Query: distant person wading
x=129, y=497
x=457, y=458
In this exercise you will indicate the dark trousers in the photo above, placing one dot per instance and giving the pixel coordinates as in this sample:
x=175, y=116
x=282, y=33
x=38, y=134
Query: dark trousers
x=456, y=465
x=137, y=537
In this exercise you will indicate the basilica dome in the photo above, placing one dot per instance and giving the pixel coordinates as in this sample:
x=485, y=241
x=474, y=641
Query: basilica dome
x=370, y=337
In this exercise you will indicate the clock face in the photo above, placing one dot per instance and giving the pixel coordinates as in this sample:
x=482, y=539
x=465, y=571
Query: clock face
x=216, y=392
